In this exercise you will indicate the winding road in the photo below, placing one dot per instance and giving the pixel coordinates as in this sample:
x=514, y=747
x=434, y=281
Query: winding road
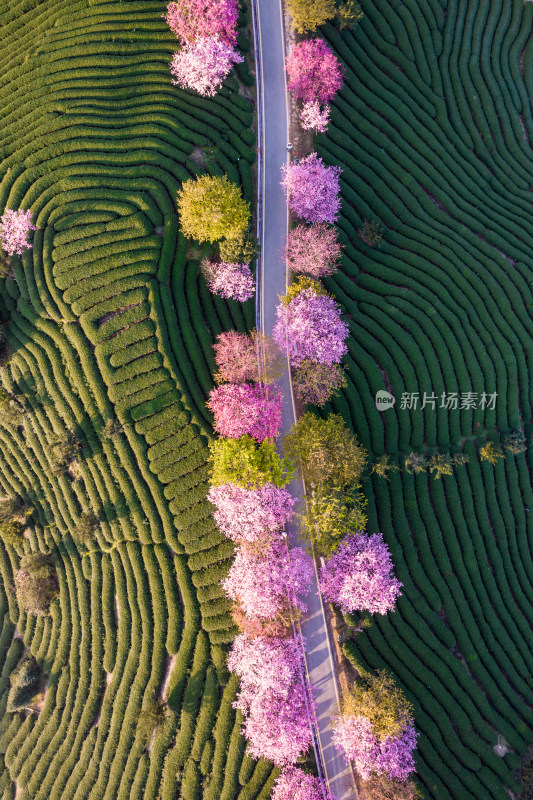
x=273, y=124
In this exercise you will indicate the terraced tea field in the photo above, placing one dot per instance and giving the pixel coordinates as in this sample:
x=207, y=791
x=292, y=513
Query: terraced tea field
x=109, y=322
x=433, y=130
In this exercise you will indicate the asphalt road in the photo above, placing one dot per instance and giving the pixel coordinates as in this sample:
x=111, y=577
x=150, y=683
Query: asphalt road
x=273, y=282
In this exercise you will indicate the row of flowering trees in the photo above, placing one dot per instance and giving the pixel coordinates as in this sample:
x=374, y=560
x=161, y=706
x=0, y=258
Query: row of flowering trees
x=375, y=729
x=266, y=582
x=207, y=31
x=309, y=326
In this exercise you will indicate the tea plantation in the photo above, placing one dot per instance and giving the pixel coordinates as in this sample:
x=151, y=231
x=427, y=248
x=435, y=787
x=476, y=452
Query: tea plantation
x=109, y=335
x=433, y=130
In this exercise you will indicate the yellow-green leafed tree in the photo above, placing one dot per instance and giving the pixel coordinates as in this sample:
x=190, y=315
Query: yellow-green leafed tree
x=490, y=453
x=325, y=451
x=212, y=208
x=377, y=698
x=307, y=15
x=330, y=514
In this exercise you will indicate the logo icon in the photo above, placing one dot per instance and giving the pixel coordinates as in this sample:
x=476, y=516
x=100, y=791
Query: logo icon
x=384, y=400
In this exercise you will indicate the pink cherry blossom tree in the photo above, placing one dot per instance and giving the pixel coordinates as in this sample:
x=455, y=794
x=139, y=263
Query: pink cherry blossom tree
x=190, y=20
x=312, y=189
x=392, y=756
x=314, y=117
x=14, y=229
x=252, y=408
x=251, y=515
x=279, y=728
x=203, y=65
x=236, y=357
x=266, y=584
x=295, y=784
x=310, y=327
x=280, y=626
x=241, y=357
x=314, y=72
x=269, y=664
x=359, y=575
x=313, y=250
x=273, y=697
x=230, y=281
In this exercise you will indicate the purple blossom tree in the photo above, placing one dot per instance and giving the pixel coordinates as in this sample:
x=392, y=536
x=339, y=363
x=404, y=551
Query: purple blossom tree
x=246, y=408
x=251, y=515
x=392, y=756
x=313, y=250
x=190, y=20
x=315, y=74
x=203, y=65
x=312, y=189
x=14, y=229
x=359, y=575
x=310, y=327
x=295, y=784
x=266, y=584
x=230, y=281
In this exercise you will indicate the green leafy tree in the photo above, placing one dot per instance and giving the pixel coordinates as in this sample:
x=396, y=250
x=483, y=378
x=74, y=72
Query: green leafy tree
x=246, y=463
x=151, y=719
x=325, y=451
x=5, y=264
x=86, y=528
x=349, y=14
x=112, y=429
x=376, y=697
x=330, y=514
x=516, y=443
x=379, y=787
x=372, y=232
x=11, y=411
x=314, y=383
x=241, y=250
x=354, y=625
x=307, y=15
x=212, y=208
x=25, y=682
x=10, y=508
x=64, y=449
x=415, y=463
x=460, y=459
x=11, y=532
x=36, y=582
